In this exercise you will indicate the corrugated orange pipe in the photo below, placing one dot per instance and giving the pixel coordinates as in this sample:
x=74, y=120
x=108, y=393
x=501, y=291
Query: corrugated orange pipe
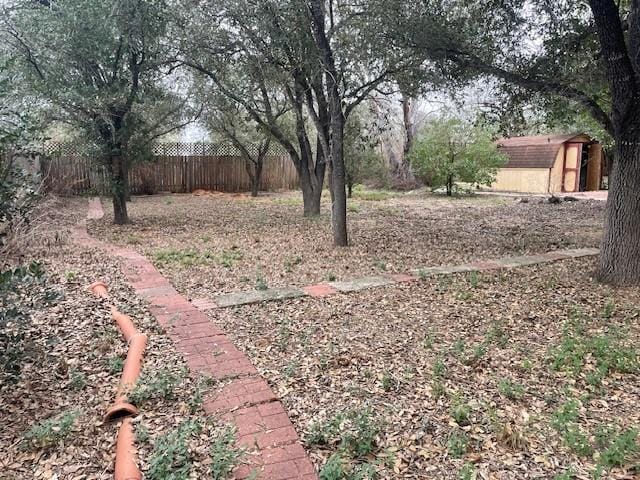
x=125, y=467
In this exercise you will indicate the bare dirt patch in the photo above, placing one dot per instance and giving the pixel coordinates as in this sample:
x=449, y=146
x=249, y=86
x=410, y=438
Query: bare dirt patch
x=527, y=373
x=217, y=244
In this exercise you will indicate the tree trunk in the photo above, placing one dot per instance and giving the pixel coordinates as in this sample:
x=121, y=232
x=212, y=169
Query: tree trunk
x=349, y=189
x=450, y=186
x=408, y=137
x=118, y=189
x=311, y=201
x=339, y=205
x=620, y=247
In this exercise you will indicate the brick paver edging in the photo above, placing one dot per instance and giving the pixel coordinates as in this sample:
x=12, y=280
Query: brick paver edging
x=263, y=427
x=356, y=284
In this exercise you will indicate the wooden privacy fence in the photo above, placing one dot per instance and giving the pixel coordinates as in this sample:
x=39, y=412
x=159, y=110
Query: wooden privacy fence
x=174, y=167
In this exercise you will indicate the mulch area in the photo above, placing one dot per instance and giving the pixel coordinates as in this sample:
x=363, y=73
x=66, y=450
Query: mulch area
x=208, y=245
x=456, y=374
x=71, y=363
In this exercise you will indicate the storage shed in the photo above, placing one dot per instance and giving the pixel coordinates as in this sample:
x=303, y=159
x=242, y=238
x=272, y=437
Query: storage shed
x=550, y=164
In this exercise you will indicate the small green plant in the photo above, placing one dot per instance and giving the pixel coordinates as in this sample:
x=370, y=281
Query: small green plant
x=333, y=469
x=170, y=458
x=566, y=414
x=467, y=472
x=142, y=433
x=458, y=348
x=50, y=432
x=353, y=208
x=261, y=283
x=457, y=444
x=387, y=382
x=439, y=368
x=609, y=309
x=331, y=277
x=428, y=341
x=290, y=263
x=497, y=334
x=354, y=431
x=157, y=385
x=70, y=276
x=133, y=240
x=284, y=335
x=510, y=389
x=115, y=364
x=526, y=365
x=566, y=475
x=423, y=274
x=380, y=265
x=229, y=257
x=77, y=379
x=460, y=412
x=224, y=455
x=463, y=295
x=186, y=257
x=619, y=448
x=474, y=279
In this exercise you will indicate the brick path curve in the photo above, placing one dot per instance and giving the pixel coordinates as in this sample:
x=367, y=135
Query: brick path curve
x=274, y=451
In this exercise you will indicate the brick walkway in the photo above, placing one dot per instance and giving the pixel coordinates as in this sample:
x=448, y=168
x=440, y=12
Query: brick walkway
x=273, y=448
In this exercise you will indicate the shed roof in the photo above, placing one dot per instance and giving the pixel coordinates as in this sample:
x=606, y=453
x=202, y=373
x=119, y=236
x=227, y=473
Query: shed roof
x=534, y=152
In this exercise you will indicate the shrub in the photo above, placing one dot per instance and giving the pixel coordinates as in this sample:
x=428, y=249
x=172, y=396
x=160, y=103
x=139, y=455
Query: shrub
x=450, y=151
x=22, y=290
x=18, y=197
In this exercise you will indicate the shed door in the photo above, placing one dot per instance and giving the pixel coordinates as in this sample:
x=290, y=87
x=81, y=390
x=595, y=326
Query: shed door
x=571, y=174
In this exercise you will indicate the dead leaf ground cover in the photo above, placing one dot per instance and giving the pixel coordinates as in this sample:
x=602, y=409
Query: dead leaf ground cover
x=217, y=244
x=528, y=373
x=61, y=359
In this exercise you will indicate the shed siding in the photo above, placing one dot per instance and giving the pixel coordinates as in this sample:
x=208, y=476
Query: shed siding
x=529, y=180
x=555, y=185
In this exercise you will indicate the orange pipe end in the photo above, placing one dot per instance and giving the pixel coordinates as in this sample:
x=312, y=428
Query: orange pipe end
x=99, y=289
x=124, y=324
x=120, y=409
x=126, y=467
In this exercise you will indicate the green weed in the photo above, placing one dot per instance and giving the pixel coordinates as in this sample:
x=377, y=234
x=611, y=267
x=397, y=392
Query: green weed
x=158, y=385
x=228, y=257
x=115, y=364
x=170, y=458
x=184, y=257
x=224, y=455
x=467, y=472
x=261, y=283
x=457, y=444
x=50, y=432
x=77, y=379
x=510, y=389
x=371, y=195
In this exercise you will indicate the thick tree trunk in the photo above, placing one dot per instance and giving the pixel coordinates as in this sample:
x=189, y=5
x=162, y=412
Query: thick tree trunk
x=449, y=186
x=119, y=190
x=339, y=205
x=620, y=247
x=311, y=201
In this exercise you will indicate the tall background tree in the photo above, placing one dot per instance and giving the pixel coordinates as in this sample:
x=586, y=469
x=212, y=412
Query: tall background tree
x=98, y=66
